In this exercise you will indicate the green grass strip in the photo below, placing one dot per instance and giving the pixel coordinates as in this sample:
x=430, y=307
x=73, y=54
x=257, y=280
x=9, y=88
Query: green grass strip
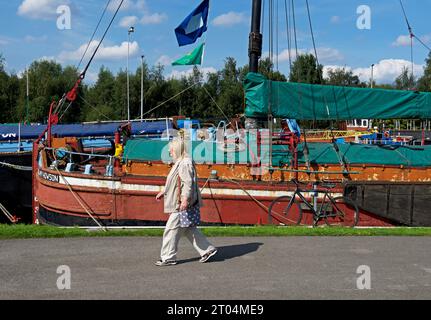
x=34, y=231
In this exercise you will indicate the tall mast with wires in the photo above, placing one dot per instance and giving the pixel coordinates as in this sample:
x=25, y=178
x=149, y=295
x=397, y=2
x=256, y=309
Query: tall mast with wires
x=412, y=36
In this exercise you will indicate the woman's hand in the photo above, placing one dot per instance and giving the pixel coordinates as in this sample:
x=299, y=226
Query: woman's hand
x=160, y=196
x=184, y=204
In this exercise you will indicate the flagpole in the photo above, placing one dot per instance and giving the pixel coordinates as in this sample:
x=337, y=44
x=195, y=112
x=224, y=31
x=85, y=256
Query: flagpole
x=142, y=88
x=205, y=42
x=131, y=30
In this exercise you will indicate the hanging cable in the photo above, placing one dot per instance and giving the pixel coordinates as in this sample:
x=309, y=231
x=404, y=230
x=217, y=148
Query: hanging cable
x=289, y=44
x=276, y=36
x=312, y=37
x=412, y=36
x=94, y=33
x=101, y=41
x=263, y=19
x=270, y=38
x=294, y=29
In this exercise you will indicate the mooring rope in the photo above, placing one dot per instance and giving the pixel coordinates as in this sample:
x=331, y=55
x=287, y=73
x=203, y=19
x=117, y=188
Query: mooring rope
x=8, y=215
x=79, y=201
x=16, y=167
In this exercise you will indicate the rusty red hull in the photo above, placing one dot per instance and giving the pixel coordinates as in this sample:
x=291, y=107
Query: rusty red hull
x=69, y=199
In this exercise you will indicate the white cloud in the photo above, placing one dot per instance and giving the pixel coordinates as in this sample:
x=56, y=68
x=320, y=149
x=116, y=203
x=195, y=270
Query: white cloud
x=175, y=74
x=386, y=71
x=404, y=40
x=105, y=53
x=40, y=9
x=164, y=60
x=329, y=55
x=155, y=18
x=47, y=58
x=139, y=6
x=229, y=19
x=129, y=21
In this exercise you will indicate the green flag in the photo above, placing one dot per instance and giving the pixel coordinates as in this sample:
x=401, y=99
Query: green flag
x=193, y=58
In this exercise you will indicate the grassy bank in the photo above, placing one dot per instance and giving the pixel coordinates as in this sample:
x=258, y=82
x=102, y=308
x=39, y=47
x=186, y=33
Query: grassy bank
x=32, y=232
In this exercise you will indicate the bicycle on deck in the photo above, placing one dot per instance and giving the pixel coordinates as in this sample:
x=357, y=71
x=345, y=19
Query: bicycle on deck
x=319, y=206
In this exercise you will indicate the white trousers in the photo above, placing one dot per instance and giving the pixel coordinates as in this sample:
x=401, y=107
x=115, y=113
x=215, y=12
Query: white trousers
x=174, y=232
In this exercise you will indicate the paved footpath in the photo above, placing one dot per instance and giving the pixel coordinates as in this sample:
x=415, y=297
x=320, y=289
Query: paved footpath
x=245, y=268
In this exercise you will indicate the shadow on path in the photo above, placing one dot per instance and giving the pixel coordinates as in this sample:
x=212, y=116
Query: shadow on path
x=229, y=252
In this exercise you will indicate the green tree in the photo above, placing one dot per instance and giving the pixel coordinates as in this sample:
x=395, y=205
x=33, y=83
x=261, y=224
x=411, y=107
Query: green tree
x=405, y=81
x=306, y=70
x=100, y=104
x=424, y=83
x=343, y=77
x=231, y=96
x=266, y=68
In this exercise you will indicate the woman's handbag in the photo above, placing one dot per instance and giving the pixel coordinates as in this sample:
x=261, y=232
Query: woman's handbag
x=190, y=217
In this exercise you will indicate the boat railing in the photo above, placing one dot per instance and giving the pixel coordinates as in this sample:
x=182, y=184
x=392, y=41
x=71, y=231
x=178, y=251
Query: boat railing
x=64, y=154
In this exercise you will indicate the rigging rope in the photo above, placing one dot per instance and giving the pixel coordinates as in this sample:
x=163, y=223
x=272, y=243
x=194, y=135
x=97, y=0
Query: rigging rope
x=94, y=108
x=16, y=167
x=313, y=39
x=215, y=102
x=289, y=44
x=8, y=215
x=101, y=41
x=94, y=33
x=294, y=29
x=77, y=198
x=412, y=36
x=170, y=99
x=276, y=37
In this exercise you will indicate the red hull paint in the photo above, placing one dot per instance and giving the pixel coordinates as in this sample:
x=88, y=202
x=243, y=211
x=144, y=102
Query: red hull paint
x=121, y=205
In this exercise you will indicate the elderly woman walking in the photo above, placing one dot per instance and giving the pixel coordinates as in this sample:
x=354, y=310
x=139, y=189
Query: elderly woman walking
x=182, y=201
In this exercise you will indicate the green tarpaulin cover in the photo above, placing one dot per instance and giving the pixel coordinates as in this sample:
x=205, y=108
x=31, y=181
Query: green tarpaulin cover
x=321, y=102
x=319, y=153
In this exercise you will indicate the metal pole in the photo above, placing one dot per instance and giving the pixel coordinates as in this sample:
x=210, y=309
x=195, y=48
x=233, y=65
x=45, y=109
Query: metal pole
x=19, y=136
x=131, y=30
x=255, y=45
x=127, y=70
x=27, y=97
x=255, y=49
x=372, y=76
x=142, y=88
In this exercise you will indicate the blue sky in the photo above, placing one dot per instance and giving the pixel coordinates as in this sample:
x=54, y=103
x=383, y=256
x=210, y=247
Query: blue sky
x=28, y=31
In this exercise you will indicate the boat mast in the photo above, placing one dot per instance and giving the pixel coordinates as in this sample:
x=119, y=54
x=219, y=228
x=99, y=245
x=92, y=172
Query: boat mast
x=255, y=48
x=255, y=44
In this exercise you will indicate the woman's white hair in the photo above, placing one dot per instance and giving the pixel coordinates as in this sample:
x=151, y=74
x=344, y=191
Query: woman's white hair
x=180, y=146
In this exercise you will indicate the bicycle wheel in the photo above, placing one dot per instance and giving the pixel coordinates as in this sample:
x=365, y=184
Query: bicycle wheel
x=285, y=210
x=340, y=211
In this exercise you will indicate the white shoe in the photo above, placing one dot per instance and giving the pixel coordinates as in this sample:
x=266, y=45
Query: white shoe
x=208, y=255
